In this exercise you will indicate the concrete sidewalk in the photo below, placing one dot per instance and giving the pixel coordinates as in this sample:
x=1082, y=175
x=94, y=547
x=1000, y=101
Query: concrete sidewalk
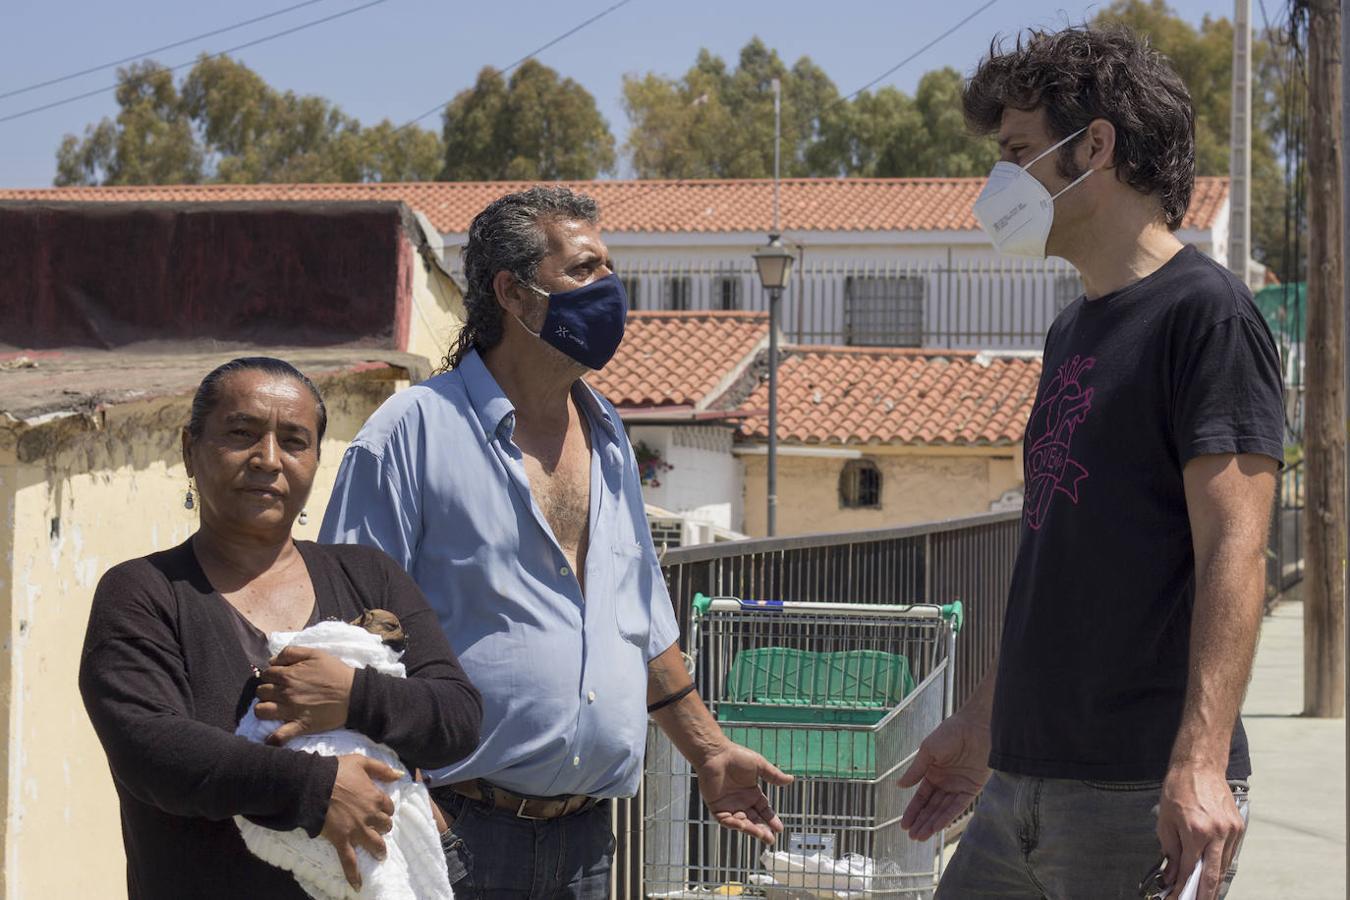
x=1295, y=844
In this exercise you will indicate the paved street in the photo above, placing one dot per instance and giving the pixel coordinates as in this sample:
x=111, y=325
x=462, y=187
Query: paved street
x=1296, y=843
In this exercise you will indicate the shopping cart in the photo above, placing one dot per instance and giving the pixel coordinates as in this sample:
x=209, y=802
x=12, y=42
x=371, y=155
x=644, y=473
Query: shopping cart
x=839, y=696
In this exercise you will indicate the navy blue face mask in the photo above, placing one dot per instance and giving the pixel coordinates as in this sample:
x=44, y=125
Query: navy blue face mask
x=586, y=324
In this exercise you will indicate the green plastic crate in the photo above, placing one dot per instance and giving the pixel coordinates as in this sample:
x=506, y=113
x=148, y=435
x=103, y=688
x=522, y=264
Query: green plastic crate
x=784, y=685
x=812, y=752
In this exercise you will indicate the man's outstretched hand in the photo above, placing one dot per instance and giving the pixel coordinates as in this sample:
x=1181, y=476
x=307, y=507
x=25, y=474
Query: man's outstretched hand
x=729, y=783
x=951, y=768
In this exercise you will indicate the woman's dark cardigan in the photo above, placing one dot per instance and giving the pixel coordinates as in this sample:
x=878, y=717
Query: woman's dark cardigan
x=165, y=680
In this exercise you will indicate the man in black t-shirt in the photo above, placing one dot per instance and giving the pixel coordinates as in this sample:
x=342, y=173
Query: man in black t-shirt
x=1151, y=458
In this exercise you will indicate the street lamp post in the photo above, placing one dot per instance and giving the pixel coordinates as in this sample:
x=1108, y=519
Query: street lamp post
x=774, y=263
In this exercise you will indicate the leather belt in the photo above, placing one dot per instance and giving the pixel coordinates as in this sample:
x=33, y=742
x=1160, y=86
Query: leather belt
x=524, y=807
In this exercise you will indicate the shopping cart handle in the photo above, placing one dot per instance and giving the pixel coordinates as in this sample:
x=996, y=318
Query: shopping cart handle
x=955, y=613
x=703, y=603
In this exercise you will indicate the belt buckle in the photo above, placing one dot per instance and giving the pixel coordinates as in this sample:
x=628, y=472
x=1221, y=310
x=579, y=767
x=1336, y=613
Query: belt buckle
x=520, y=812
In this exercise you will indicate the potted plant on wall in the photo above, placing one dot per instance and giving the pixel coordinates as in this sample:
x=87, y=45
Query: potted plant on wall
x=650, y=464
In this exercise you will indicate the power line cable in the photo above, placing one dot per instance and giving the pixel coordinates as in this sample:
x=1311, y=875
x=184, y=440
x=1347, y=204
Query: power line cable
x=533, y=53
x=235, y=49
x=126, y=59
x=908, y=59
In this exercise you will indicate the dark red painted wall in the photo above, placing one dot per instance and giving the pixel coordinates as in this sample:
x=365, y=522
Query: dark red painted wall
x=111, y=274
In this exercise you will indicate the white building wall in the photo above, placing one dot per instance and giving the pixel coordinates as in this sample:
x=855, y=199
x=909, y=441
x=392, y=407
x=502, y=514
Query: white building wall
x=971, y=297
x=704, y=480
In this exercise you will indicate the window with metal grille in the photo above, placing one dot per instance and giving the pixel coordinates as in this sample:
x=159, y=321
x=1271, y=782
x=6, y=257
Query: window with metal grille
x=860, y=485
x=883, y=311
x=632, y=286
x=1068, y=287
x=727, y=292
x=679, y=289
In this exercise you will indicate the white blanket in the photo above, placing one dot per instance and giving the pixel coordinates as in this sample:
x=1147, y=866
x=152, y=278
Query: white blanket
x=414, y=868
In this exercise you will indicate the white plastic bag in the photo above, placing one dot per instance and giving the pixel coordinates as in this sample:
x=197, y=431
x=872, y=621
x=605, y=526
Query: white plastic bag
x=819, y=876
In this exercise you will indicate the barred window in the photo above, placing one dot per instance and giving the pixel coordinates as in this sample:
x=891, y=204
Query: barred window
x=632, y=286
x=678, y=291
x=883, y=311
x=860, y=485
x=727, y=292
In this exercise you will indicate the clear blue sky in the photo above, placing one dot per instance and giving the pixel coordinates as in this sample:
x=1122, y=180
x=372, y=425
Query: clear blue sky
x=402, y=57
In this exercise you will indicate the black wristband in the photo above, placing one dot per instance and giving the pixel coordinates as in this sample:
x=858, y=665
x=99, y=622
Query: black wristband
x=673, y=698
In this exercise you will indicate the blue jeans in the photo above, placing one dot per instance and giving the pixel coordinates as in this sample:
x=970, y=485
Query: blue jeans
x=494, y=855
x=1039, y=838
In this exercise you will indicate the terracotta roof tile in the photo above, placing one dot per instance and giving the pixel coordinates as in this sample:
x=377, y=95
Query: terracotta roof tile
x=846, y=395
x=808, y=204
x=679, y=358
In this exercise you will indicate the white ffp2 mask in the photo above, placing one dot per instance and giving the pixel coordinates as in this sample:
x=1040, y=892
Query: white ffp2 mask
x=1016, y=210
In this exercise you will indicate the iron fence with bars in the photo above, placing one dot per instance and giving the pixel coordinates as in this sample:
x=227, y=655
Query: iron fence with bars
x=1284, y=561
x=969, y=559
x=987, y=304
x=1002, y=304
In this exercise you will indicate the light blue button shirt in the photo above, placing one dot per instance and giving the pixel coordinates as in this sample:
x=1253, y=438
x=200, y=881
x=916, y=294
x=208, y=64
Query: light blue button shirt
x=435, y=480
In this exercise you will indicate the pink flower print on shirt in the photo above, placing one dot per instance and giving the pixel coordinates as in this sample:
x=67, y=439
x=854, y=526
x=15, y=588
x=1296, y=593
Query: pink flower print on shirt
x=1050, y=469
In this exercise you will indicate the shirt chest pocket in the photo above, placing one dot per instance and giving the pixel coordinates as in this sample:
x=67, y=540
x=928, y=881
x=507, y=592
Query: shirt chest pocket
x=634, y=571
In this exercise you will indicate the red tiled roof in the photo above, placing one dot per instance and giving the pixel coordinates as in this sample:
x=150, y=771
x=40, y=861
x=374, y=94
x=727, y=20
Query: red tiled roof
x=847, y=395
x=678, y=358
x=808, y=204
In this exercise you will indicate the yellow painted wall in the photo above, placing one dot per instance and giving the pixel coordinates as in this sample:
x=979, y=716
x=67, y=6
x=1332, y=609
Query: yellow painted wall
x=89, y=496
x=437, y=313
x=917, y=485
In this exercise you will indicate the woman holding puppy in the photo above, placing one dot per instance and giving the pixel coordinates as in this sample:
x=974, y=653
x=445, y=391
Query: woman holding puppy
x=176, y=650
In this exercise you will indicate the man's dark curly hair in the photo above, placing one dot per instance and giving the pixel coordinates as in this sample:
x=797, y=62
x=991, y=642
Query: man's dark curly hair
x=508, y=236
x=1085, y=73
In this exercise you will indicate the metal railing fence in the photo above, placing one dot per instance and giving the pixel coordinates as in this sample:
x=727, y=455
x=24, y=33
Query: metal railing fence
x=968, y=559
x=1284, y=560
x=992, y=304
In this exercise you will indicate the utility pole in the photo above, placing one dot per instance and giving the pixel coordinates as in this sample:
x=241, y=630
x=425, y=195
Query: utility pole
x=771, y=514
x=1324, y=433
x=1240, y=138
x=1345, y=255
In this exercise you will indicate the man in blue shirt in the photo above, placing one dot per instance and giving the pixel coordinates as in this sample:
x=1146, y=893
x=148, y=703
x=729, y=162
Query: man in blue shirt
x=508, y=489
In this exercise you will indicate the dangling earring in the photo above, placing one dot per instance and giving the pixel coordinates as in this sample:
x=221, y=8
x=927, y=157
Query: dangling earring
x=304, y=517
x=188, y=501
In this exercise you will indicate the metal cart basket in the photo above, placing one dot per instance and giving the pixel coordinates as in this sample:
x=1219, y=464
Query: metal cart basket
x=837, y=695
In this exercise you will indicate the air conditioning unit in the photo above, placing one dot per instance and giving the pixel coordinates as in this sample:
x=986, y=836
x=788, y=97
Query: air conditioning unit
x=671, y=530
x=667, y=534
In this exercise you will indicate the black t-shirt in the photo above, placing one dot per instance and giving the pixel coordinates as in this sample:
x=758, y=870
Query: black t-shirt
x=1092, y=667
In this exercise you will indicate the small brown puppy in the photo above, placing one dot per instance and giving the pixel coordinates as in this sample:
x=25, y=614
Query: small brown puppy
x=385, y=624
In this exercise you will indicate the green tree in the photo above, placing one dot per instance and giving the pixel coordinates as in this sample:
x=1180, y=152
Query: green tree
x=890, y=134
x=537, y=126
x=1203, y=58
x=150, y=142
x=949, y=149
x=227, y=125
x=718, y=123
